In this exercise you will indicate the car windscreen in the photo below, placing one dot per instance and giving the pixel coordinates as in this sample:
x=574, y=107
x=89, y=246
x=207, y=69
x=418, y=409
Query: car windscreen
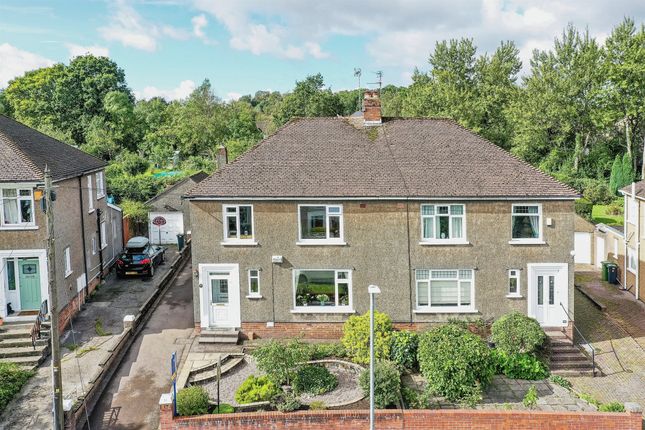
x=133, y=258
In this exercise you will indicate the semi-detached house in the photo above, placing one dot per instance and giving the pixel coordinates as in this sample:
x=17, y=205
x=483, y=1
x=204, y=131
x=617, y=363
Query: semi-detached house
x=287, y=238
x=88, y=230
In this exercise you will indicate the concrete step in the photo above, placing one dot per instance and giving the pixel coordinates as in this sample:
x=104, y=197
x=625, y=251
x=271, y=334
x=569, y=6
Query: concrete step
x=574, y=373
x=571, y=365
x=219, y=336
x=20, y=334
x=26, y=362
x=13, y=343
x=208, y=375
x=22, y=351
x=222, y=340
x=23, y=325
x=566, y=357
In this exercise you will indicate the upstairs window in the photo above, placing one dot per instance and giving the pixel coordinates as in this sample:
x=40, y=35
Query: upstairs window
x=238, y=223
x=527, y=222
x=68, y=262
x=90, y=194
x=17, y=207
x=321, y=223
x=100, y=185
x=103, y=235
x=632, y=211
x=443, y=223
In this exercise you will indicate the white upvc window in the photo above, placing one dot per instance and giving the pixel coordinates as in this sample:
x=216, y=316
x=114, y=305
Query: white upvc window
x=632, y=260
x=632, y=211
x=514, y=283
x=322, y=290
x=100, y=185
x=320, y=225
x=445, y=291
x=16, y=207
x=103, y=235
x=68, y=262
x=254, y=283
x=94, y=248
x=443, y=223
x=90, y=194
x=238, y=224
x=526, y=224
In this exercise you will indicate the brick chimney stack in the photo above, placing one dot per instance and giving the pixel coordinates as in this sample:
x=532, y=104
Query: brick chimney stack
x=371, y=108
x=221, y=156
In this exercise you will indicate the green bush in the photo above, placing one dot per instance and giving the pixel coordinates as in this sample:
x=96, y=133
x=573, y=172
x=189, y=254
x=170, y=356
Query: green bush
x=317, y=405
x=516, y=333
x=192, y=401
x=456, y=363
x=286, y=402
x=314, y=380
x=520, y=366
x=563, y=382
x=584, y=208
x=597, y=192
x=319, y=351
x=612, y=407
x=256, y=389
x=589, y=399
x=224, y=408
x=531, y=397
x=387, y=383
x=12, y=378
x=356, y=337
x=403, y=349
x=281, y=361
x=413, y=399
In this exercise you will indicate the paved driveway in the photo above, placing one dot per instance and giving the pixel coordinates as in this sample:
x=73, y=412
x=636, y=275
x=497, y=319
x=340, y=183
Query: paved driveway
x=618, y=335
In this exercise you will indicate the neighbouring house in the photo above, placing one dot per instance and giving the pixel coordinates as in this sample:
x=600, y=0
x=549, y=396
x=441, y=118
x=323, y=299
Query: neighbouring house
x=583, y=242
x=633, y=261
x=173, y=209
x=287, y=238
x=88, y=230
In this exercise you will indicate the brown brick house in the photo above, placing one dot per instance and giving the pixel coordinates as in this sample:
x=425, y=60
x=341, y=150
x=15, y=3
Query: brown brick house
x=287, y=238
x=88, y=229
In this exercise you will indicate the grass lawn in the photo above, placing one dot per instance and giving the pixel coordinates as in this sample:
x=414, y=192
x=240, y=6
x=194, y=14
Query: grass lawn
x=599, y=214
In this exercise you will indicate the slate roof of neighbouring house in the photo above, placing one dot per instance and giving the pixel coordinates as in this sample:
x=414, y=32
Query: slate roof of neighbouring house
x=195, y=179
x=24, y=152
x=329, y=157
x=639, y=189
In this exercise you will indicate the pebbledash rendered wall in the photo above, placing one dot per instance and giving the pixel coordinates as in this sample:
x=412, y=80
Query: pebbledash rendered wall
x=382, y=248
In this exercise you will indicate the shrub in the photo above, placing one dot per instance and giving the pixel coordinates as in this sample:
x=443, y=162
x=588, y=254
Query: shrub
x=387, y=383
x=403, y=349
x=615, y=208
x=356, y=337
x=531, y=397
x=224, y=408
x=584, y=208
x=413, y=399
x=256, y=389
x=589, y=399
x=281, y=361
x=563, y=382
x=520, y=366
x=317, y=405
x=319, y=351
x=515, y=333
x=612, y=407
x=12, y=378
x=192, y=401
x=597, y=192
x=314, y=380
x=286, y=402
x=456, y=363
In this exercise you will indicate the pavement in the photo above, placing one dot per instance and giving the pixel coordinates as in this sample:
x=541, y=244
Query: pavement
x=84, y=347
x=131, y=400
x=618, y=336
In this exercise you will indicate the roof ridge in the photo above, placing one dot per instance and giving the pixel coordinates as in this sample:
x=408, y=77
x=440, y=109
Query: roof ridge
x=22, y=154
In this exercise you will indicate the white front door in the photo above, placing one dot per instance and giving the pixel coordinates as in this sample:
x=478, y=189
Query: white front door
x=220, y=295
x=548, y=294
x=600, y=250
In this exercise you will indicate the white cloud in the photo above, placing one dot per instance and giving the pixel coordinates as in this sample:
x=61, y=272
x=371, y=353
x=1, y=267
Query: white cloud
x=78, y=50
x=182, y=91
x=15, y=62
x=199, y=24
x=232, y=96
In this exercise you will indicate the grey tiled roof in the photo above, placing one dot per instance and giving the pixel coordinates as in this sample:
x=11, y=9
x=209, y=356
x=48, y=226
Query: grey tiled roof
x=328, y=157
x=639, y=188
x=24, y=152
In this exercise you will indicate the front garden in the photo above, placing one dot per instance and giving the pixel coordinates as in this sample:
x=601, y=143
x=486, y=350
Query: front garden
x=459, y=364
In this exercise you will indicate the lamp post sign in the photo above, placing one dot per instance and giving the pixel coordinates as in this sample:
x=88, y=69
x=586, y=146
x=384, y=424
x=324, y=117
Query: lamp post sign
x=173, y=372
x=159, y=221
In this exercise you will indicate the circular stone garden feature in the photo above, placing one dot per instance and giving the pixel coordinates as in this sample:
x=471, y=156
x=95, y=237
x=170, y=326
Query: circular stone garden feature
x=347, y=390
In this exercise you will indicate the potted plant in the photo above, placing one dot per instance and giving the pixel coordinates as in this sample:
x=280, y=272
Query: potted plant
x=322, y=299
x=301, y=300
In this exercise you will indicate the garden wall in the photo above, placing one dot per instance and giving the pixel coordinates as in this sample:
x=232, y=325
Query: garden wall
x=398, y=420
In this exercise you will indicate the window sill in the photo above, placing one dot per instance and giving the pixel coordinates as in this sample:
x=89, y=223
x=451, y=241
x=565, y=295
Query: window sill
x=18, y=227
x=239, y=243
x=68, y=273
x=446, y=311
x=443, y=242
x=254, y=296
x=317, y=310
x=91, y=211
x=100, y=197
x=632, y=271
x=526, y=242
x=514, y=296
x=321, y=243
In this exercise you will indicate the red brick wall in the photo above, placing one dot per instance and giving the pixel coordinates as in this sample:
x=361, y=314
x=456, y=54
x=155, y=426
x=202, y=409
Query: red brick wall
x=461, y=419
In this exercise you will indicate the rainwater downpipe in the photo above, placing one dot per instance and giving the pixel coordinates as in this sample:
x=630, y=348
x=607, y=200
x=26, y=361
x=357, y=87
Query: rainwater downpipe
x=638, y=239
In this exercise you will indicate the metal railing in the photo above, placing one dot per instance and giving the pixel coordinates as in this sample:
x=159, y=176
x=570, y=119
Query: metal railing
x=35, y=329
x=586, y=342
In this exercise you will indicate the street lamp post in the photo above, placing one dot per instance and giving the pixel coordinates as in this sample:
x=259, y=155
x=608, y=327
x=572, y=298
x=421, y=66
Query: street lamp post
x=373, y=291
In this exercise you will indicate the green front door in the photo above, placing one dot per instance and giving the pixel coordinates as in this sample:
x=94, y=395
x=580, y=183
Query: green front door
x=29, y=281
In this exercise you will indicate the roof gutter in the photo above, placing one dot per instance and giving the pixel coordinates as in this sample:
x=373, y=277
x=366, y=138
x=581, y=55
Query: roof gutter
x=415, y=198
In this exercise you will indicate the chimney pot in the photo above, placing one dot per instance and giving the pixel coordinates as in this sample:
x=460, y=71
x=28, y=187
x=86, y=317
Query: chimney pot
x=221, y=156
x=372, y=108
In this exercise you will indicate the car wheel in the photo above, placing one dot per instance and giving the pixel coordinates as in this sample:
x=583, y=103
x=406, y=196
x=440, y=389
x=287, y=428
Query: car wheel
x=151, y=272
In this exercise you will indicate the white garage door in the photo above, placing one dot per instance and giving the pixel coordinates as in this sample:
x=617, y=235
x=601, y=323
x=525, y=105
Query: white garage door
x=167, y=232
x=583, y=248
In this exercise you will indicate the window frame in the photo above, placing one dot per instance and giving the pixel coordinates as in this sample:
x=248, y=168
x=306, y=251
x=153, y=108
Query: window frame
x=540, y=215
x=445, y=309
x=349, y=308
x=94, y=247
x=90, y=192
x=100, y=185
x=463, y=240
x=517, y=276
x=103, y=227
x=68, y=261
x=632, y=211
x=18, y=199
x=631, y=253
x=327, y=240
x=237, y=240
x=258, y=293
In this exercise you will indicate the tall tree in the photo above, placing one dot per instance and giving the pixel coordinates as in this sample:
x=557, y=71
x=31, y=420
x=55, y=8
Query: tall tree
x=309, y=98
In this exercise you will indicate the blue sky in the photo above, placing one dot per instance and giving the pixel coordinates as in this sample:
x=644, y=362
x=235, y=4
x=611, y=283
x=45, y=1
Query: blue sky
x=167, y=47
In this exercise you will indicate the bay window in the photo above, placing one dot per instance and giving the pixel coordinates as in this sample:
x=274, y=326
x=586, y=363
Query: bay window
x=17, y=207
x=527, y=223
x=238, y=223
x=322, y=290
x=443, y=223
x=445, y=290
x=320, y=224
